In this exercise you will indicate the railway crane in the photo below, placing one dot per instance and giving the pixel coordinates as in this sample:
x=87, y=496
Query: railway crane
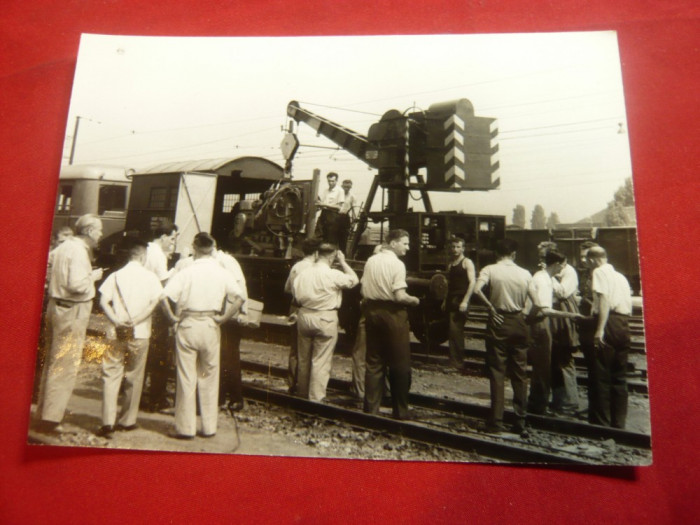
x=443, y=149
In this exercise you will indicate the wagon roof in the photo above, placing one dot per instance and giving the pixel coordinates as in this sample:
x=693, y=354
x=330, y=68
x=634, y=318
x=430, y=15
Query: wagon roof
x=94, y=172
x=246, y=167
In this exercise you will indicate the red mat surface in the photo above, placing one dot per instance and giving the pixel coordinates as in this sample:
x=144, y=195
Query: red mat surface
x=660, y=61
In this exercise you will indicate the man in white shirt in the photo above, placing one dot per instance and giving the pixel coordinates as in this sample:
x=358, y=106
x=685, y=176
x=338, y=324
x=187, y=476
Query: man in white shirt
x=612, y=306
x=345, y=214
x=128, y=297
x=201, y=291
x=329, y=202
x=309, y=248
x=565, y=343
x=541, y=292
x=318, y=292
x=385, y=302
x=162, y=343
x=71, y=291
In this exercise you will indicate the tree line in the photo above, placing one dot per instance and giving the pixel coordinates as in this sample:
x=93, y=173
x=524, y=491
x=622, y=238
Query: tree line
x=615, y=213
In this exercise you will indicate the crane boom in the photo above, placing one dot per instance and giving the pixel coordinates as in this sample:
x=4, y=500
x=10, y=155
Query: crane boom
x=347, y=139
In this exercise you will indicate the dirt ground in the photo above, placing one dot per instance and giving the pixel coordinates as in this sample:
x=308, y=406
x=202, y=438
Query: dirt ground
x=443, y=381
x=259, y=429
x=262, y=429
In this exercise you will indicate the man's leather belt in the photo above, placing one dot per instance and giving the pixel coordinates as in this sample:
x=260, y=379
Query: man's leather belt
x=64, y=303
x=196, y=313
x=317, y=310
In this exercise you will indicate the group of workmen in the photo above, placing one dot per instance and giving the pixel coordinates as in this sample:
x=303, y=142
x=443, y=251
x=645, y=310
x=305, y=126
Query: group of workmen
x=202, y=305
x=547, y=317
x=543, y=319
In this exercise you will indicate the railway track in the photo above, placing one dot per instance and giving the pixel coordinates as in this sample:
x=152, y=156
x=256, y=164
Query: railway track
x=275, y=330
x=451, y=424
x=636, y=378
x=275, y=327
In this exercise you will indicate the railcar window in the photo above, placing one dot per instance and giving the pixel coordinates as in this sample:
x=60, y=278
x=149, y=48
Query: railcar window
x=63, y=204
x=158, y=221
x=229, y=200
x=158, y=198
x=111, y=198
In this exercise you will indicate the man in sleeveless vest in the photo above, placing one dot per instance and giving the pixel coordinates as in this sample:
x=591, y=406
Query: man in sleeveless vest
x=461, y=279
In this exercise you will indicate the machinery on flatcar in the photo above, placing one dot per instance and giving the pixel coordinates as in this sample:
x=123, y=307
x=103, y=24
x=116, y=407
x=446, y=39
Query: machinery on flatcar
x=256, y=209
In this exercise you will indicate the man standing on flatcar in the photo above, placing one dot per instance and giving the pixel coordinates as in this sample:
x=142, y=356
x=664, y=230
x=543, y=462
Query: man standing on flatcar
x=199, y=291
x=162, y=343
x=345, y=214
x=386, y=325
x=506, y=333
x=330, y=202
x=71, y=291
x=612, y=306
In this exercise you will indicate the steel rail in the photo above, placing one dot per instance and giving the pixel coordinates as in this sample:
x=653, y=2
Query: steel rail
x=549, y=424
x=476, y=358
x=481, y=445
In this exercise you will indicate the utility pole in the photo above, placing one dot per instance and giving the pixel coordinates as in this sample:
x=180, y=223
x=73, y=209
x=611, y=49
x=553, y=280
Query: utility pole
x=75, y=138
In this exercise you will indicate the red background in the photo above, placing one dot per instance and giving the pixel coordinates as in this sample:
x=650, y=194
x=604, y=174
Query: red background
x=659, y=46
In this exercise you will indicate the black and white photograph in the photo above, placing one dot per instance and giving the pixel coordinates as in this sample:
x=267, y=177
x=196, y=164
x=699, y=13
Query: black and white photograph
x=416, y=248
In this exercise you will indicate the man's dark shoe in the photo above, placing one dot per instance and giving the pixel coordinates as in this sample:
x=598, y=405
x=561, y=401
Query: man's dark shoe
x=184, y=437
x=49, y=427
x=126, y=428
x=106, y=431
x=237, y=406
x=490, y=428
x=520, y=429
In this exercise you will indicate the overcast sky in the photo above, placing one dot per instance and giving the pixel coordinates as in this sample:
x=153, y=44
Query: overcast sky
x=558, y=98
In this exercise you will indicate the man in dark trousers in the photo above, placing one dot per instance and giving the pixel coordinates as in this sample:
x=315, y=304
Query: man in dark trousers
x=541, y=319
x=386, y=324
x=329, y=202
x=587, y=325
x=612, y=306
x=461, y=279
x=345, y=215
x=506, y=333
x=162, y=343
